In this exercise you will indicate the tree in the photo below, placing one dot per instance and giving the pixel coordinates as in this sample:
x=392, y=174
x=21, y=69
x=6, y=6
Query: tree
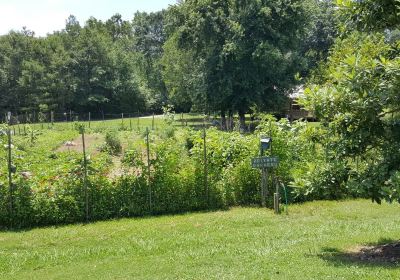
x=370, y=15
x=358, y=102
x=148, y=40
x=247, y=51
x=320, y=34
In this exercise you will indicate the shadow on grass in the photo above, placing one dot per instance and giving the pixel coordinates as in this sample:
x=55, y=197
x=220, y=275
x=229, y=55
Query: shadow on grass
x=94, y=221
x=384, y=253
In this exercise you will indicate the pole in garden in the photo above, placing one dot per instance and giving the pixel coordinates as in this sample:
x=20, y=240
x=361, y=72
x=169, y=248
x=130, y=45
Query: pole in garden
x=205, y=162
x=152, y=123
x=52, y=118
x=130, y=122
x=122, y=119
x=89, y=119
x=264, y=186
x=148, y=166
x=82, y=131
x=264, y=162
x=10, y=167
x=276, y=195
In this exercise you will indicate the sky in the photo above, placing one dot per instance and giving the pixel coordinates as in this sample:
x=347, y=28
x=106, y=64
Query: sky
x=46, y=16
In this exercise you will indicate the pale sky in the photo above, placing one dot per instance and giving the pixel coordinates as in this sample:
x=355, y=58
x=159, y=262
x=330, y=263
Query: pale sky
x=46, y=16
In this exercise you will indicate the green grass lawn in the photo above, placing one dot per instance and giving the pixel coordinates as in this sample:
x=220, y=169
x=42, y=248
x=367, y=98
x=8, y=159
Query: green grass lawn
x=129, y=123
x=243, y=243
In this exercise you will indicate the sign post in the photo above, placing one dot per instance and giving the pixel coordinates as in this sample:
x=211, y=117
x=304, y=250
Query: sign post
x=265, y=163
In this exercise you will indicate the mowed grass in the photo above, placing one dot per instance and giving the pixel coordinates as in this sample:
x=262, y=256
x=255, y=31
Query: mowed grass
x=242, y=243
x=134, y=123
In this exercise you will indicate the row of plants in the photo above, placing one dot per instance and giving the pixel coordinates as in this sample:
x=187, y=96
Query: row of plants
x=180, y=177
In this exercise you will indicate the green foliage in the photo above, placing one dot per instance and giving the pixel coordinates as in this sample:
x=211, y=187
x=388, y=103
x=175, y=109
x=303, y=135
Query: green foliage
x=370, y=15
x=80, y=127
x=356, y=98
x=239, y=54
x=54, y=191
x=112, y=143
x=225, y=56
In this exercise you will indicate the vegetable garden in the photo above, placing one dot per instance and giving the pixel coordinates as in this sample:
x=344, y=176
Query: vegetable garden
x=144, y=171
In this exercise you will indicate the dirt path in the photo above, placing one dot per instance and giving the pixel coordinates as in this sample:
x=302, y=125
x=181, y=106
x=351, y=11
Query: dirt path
x=92, y=141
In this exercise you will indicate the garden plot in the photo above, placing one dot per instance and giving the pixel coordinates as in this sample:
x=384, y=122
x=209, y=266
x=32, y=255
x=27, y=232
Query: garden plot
x=92, y=143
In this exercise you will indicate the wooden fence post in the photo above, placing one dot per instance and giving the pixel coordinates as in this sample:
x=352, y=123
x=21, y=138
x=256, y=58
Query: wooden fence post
x=10, y=169
x=148, y=167
x=276, y=196
x=264, y=186
x=205, y=163
x=85, y=174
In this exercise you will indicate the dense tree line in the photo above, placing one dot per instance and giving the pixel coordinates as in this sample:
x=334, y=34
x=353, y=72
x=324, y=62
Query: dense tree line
x=229, y=57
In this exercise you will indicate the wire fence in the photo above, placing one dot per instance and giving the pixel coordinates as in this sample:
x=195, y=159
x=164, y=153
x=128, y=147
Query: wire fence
x=151, y=202
x=20, y=123
x=43, y=120
x=57, y=117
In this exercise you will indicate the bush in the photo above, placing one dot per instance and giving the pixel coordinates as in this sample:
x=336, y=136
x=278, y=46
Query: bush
x=241, y=184
x=112, y=143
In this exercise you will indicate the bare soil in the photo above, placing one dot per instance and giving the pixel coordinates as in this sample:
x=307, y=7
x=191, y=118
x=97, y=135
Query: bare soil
x=92, y=141
x=378, y=253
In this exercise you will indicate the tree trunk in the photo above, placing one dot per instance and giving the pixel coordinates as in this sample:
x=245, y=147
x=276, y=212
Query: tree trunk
x=230, y=120
x=242, y=122
x=223, y=121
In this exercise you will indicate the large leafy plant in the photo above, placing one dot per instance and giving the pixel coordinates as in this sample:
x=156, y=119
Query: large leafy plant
x=358, y=104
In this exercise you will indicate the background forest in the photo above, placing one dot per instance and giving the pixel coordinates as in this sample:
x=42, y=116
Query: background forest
x=224, y=57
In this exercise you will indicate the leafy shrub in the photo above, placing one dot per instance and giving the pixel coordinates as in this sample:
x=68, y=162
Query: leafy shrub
x=241, y=184
x=112, y=143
